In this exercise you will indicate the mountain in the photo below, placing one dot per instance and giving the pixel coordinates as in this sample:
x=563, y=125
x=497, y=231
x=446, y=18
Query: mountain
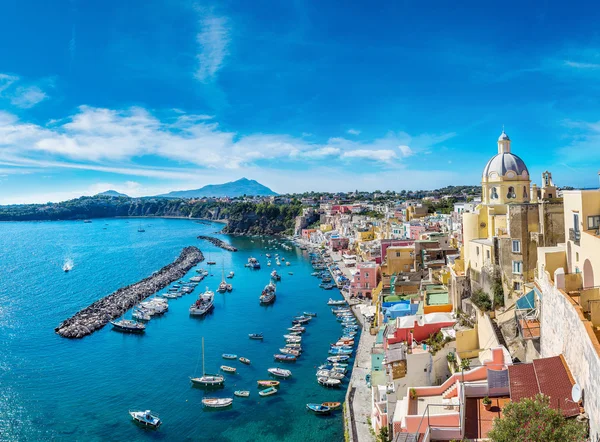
x=240, y=187
x=112, y=193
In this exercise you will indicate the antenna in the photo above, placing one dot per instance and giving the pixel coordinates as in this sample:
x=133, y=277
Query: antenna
x=576, y=393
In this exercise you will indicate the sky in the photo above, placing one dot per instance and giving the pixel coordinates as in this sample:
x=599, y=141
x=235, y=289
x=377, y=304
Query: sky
x=150, y=96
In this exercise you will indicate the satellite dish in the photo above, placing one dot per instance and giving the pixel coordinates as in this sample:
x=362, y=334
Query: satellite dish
x=576, y=393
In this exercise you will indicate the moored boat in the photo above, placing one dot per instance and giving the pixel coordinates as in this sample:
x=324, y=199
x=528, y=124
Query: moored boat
x=229, y=356
x=280, y=372
x=230, y=275
x=241, y=393
x=268, y=391
x=332, y=405
x=207, y=380
x=128, y=326
x=217, y=402
x=334, y=302
x=284, y=358
x=268, y=294
x=311, y=314
x=318, y=408
x=263, y=384
x=256, y=336
x=146, y=418
x=245, y=361
x=328, y=382
x=228, y=369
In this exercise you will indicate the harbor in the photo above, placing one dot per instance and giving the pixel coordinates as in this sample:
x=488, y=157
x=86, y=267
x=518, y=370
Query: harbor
x=218, y=242
x=115, y=371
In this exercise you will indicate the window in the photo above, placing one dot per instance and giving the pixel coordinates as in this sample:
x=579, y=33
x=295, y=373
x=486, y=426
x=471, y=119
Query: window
x=366, y=275
x=477, y=251
x=594, y=222
x=576, y=222
x=577, y=256
x=487, y=254
x=493, y=193
x=517, y=285
x=517, y=267
x=516, y=246
x=525, y=192
x=511, y=192
x=397, y=254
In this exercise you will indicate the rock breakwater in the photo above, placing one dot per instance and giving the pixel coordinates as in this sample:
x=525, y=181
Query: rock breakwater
x=217, y=242
x=97, y=315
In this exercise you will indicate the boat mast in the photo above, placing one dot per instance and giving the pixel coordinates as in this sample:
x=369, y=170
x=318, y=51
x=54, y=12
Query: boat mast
x=202, y=355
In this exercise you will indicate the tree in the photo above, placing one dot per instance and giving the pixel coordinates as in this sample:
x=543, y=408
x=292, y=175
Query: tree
x=534, y=420
x=383, y=435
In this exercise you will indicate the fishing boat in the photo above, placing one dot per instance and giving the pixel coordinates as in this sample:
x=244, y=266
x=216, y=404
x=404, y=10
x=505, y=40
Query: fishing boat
x=318, y=408
x=311, y=314
x=128, y=326
x=297, y=329
x=253, y=263
x=292, y=336
x=284, y=358
x=222, y=287
x=228, y=369
x=327, y=286
x=263, y=384
x=217, y=402
x=295, y=345
x=287, y=263
x=256, y=336
x=203, y=304
x=211, y=263
x=229, y=287
x=141, y=315
x=338, y=358
x=241, y=393
x=275, y=276
x=332, y=405
x=289, y=351
x=268, y=391
x=67, y=266
x=245, y=361
x=230, y=275
x=280, y=372
x=146, y=418
x=340, y=351
x=207, y=380
x=328, y=382
x=268, y=294
x=338, y=302
x=196, y=278
x=229, y=356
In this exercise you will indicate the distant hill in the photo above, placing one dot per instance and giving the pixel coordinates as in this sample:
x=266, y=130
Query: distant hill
x=240, y=187
x=112, y=193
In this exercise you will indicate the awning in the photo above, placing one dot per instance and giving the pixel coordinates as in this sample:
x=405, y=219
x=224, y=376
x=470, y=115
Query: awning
x=527, y=301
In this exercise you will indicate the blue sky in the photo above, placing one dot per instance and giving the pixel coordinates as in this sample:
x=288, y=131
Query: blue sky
x=150, y=96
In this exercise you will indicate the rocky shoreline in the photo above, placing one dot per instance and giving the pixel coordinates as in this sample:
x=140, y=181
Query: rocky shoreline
x=217, y=242
x=97, y=315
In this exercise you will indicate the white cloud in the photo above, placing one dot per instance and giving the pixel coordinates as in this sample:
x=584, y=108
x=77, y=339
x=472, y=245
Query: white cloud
x=21, y=96
x=582, y=65
x=213, y=40
x=353, y=132
x=6, y=81
x=383, y=155
x=405, y=150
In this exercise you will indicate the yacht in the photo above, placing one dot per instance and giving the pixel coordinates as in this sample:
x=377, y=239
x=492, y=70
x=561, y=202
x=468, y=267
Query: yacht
x=128, y=326
x=203, y=305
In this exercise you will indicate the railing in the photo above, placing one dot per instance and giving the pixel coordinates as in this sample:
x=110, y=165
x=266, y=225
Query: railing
x=575, y=236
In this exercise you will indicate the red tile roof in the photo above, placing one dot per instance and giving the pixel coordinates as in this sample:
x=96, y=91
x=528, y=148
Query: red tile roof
x=548, y=376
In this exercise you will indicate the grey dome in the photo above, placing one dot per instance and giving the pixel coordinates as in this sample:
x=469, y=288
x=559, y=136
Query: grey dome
x=503, y=163
x=503, y=136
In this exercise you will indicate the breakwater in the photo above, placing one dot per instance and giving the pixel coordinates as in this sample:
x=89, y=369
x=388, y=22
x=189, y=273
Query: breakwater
x=97, y=315
x=217, y=242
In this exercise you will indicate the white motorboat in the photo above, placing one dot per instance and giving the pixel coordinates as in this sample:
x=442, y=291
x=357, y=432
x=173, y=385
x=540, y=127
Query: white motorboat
x=146, y=418
x=217, y=402
x=280, y=372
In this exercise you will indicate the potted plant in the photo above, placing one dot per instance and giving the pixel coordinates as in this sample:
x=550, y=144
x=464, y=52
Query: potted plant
x=413, y=393
x=487, y=403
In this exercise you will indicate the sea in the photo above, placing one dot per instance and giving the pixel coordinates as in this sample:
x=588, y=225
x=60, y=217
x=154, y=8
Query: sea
x=56, y=389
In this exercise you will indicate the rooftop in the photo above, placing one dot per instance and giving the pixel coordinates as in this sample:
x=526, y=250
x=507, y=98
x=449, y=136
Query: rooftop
x=440, y=298
x=478, y=420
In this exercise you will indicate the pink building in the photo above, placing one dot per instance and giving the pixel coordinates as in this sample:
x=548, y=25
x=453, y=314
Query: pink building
x=418, y=327
x=364, y=280
x=415, y=231
x=306, y=233
x=338, y=243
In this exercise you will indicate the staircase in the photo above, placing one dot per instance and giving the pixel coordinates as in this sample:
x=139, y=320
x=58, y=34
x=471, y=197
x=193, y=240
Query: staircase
x=450, y=392
x=498, y=332
x=406, y=437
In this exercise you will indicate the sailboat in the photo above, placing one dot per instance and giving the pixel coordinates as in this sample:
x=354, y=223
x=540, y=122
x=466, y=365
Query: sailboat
x=209, y=262
x=140, y=228
x=207, y=380
x=223, y=285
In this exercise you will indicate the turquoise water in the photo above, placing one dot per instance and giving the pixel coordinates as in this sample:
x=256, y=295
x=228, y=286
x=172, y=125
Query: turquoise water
x=52, y=388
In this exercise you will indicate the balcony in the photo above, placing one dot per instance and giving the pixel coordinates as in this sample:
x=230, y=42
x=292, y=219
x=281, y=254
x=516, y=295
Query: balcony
x=575, y=236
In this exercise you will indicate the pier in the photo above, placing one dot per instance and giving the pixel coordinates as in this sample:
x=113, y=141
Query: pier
x=217, y=242
x=97, y=315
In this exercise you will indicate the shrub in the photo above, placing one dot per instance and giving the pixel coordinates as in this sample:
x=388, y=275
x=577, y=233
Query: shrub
x=481, y=300
x=498, y=292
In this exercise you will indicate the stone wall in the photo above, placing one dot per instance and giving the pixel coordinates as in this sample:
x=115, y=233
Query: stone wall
x=565, y=331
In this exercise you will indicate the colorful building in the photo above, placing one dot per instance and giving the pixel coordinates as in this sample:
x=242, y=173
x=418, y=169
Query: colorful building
x=365, y=279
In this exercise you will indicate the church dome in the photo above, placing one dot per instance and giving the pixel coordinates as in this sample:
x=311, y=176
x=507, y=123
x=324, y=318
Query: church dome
x=503, y=163
x=503, y=136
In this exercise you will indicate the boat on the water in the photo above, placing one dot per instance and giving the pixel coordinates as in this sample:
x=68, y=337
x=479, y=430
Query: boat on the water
x=275, y=276
x=229, y=356
x=228, y=369
x=268, y=391
x=280, y=372
x=268, y=294
x=128, y=326
x=245, y=361
x=311, y=314
x=318, y=408
x=229, y=287
x=253, y=263
x=289, y=351
x=328, y=382
x=338, y=358
x=231, y=275
x=338, y=302
x=241, y=393
x=285, y=358
x=203, y=305
x=332, y=405
x=146, y=418
x=141, y=315
x=217, y=402
x=222, y=287
x=256, y=336
x=207, y=380
x=263, y=384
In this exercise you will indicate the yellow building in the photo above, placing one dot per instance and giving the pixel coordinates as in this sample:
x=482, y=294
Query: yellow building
x=399, y=259
x=365, y=234
x=415, y=212
x=326, y=227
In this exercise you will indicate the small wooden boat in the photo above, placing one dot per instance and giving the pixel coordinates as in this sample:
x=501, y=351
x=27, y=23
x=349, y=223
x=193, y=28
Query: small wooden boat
x=263, y=384
x=332, y=405
x=268, y=391
x=285, y=358
x=245, y=361
x=280, y=372
x=257, y=336
x=312, y=314
x=242, y=393
x=146, y=418
x=229, y=356
x=217, y=402
x=328, y=382
x=228, y=369
x=318, y=408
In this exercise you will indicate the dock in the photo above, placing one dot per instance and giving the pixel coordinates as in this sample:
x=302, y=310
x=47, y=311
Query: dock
x=97, y=315
x=219, y=243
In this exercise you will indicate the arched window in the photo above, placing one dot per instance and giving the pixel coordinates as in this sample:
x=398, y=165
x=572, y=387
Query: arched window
x=525, y=192
x=511, y=192
x=494, y=193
